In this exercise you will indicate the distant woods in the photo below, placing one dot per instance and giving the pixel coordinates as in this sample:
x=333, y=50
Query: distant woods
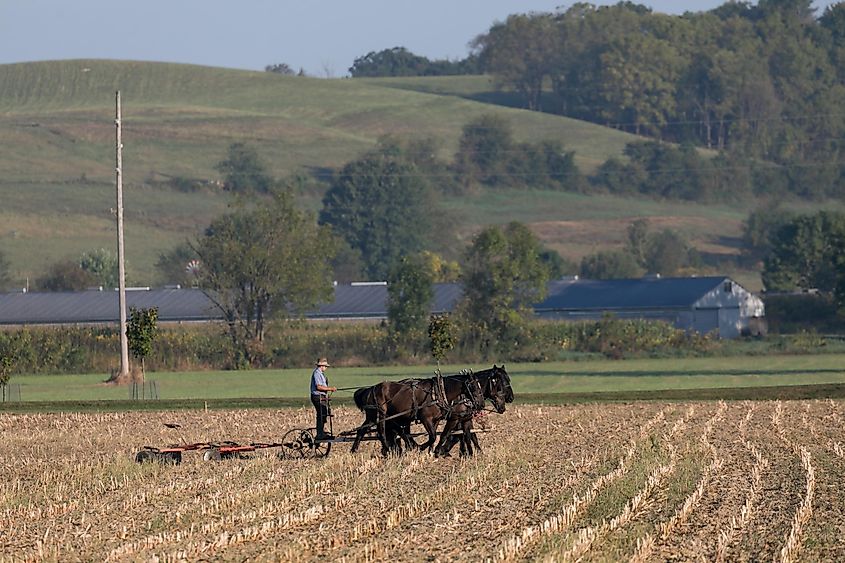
x=763, y=85
x=398, y=61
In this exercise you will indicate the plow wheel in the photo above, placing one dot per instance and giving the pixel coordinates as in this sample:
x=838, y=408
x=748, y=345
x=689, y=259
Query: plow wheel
x=212, y=455
x=170, y=458
x=296, y=444
x=300, y=443
x=145, y=456
x=319, y=448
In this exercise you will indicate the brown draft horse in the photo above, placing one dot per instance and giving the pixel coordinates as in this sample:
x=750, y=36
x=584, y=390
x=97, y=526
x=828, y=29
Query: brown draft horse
x=393, y=406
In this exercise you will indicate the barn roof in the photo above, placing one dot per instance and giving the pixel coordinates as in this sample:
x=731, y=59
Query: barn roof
x=366, y=300
x=369, y=300
x=642, y=293
x=94, y=306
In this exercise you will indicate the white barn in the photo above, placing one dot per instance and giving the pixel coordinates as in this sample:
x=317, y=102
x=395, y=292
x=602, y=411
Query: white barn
x=716, y=305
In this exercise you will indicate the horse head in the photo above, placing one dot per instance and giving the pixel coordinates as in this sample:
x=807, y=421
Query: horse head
x=496, y=388
x=506, y=382
x=474, y=392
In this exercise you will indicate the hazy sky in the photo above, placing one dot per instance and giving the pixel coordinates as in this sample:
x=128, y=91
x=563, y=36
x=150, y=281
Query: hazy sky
x=321, y=36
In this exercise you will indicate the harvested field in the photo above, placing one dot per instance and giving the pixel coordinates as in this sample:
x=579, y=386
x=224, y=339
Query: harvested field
x=738, y=481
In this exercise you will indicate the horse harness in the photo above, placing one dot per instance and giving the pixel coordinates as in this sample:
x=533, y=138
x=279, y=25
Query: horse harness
x=437, y=397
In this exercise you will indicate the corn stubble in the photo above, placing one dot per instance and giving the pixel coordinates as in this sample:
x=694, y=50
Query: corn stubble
x=638, y=482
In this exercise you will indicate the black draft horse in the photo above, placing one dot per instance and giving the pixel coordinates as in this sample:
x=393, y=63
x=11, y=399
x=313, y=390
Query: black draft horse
x=366, y=403
x=393, y=406
x=497, y=388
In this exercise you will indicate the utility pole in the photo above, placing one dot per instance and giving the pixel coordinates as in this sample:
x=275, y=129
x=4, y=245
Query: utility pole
x=124, y=341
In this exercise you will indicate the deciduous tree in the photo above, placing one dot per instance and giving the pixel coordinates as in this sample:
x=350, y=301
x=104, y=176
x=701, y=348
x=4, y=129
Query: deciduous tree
x=522, y=53
x=667, y=252
x=141, y=331
x=243, y=170
x=609, y=265
x=441, y=336
x=503, y=276
x=102, y=265
x=268, y=262
x=380, y=205
x=66, y=275
x=484, y=150
x=409, y=295
x=280, y=68
x=806, y=253
x=397, y=61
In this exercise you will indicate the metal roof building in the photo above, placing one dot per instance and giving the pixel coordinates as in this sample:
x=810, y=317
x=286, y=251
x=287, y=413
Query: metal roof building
x=353, y=301
x=94, y=306
x=703, y=304
x=368, y=300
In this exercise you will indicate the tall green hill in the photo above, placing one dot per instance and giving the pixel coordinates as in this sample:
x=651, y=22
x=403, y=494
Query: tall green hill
x=57, y=155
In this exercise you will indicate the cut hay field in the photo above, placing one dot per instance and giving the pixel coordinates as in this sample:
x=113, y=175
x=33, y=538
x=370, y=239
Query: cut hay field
x=737, y=481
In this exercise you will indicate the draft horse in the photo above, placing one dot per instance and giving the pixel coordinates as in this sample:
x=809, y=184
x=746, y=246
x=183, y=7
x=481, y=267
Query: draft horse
x=496, y=385
x=393, y=406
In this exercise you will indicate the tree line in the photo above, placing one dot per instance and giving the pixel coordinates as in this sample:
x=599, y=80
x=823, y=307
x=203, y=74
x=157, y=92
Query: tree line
x=764, y=85
x=267, y=260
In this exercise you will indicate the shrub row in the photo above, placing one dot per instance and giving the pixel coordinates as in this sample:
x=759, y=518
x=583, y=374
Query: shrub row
x=296, y=344
x=614, y=338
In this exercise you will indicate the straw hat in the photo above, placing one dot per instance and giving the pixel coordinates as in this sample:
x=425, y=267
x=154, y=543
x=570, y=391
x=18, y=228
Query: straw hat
x=323, y=362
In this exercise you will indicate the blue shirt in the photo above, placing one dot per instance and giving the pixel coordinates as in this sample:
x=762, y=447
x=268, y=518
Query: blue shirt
x=318, y=378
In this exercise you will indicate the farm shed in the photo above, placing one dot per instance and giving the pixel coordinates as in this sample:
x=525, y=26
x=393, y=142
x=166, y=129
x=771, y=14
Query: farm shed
x=368, y=300
x=356, y=301
x=704, y=305
x=700, y=304
x=96, y=306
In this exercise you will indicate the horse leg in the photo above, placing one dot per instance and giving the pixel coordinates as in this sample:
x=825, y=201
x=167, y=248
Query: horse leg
x=395, y=436
x=405, y=433
x=445, y=436
x=470, y=438
x=432, y=433
x=451, y=444
x=382, y=434
x=369, y=421
x=474, y=440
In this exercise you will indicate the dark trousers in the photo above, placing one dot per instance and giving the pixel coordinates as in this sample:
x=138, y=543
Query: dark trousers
x=321, y=406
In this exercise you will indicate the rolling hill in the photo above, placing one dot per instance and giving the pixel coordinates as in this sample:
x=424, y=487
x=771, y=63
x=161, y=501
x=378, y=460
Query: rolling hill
x=57, y=155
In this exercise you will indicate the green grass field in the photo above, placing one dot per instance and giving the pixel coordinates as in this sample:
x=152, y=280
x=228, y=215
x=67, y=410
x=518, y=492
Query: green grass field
x=553, y=381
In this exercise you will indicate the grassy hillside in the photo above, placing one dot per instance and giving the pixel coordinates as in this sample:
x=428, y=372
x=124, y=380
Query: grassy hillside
x=178, y=119
x=57, y=155
x=57, y=145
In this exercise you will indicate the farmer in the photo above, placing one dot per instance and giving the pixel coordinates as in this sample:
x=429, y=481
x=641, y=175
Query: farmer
x=319, y=396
